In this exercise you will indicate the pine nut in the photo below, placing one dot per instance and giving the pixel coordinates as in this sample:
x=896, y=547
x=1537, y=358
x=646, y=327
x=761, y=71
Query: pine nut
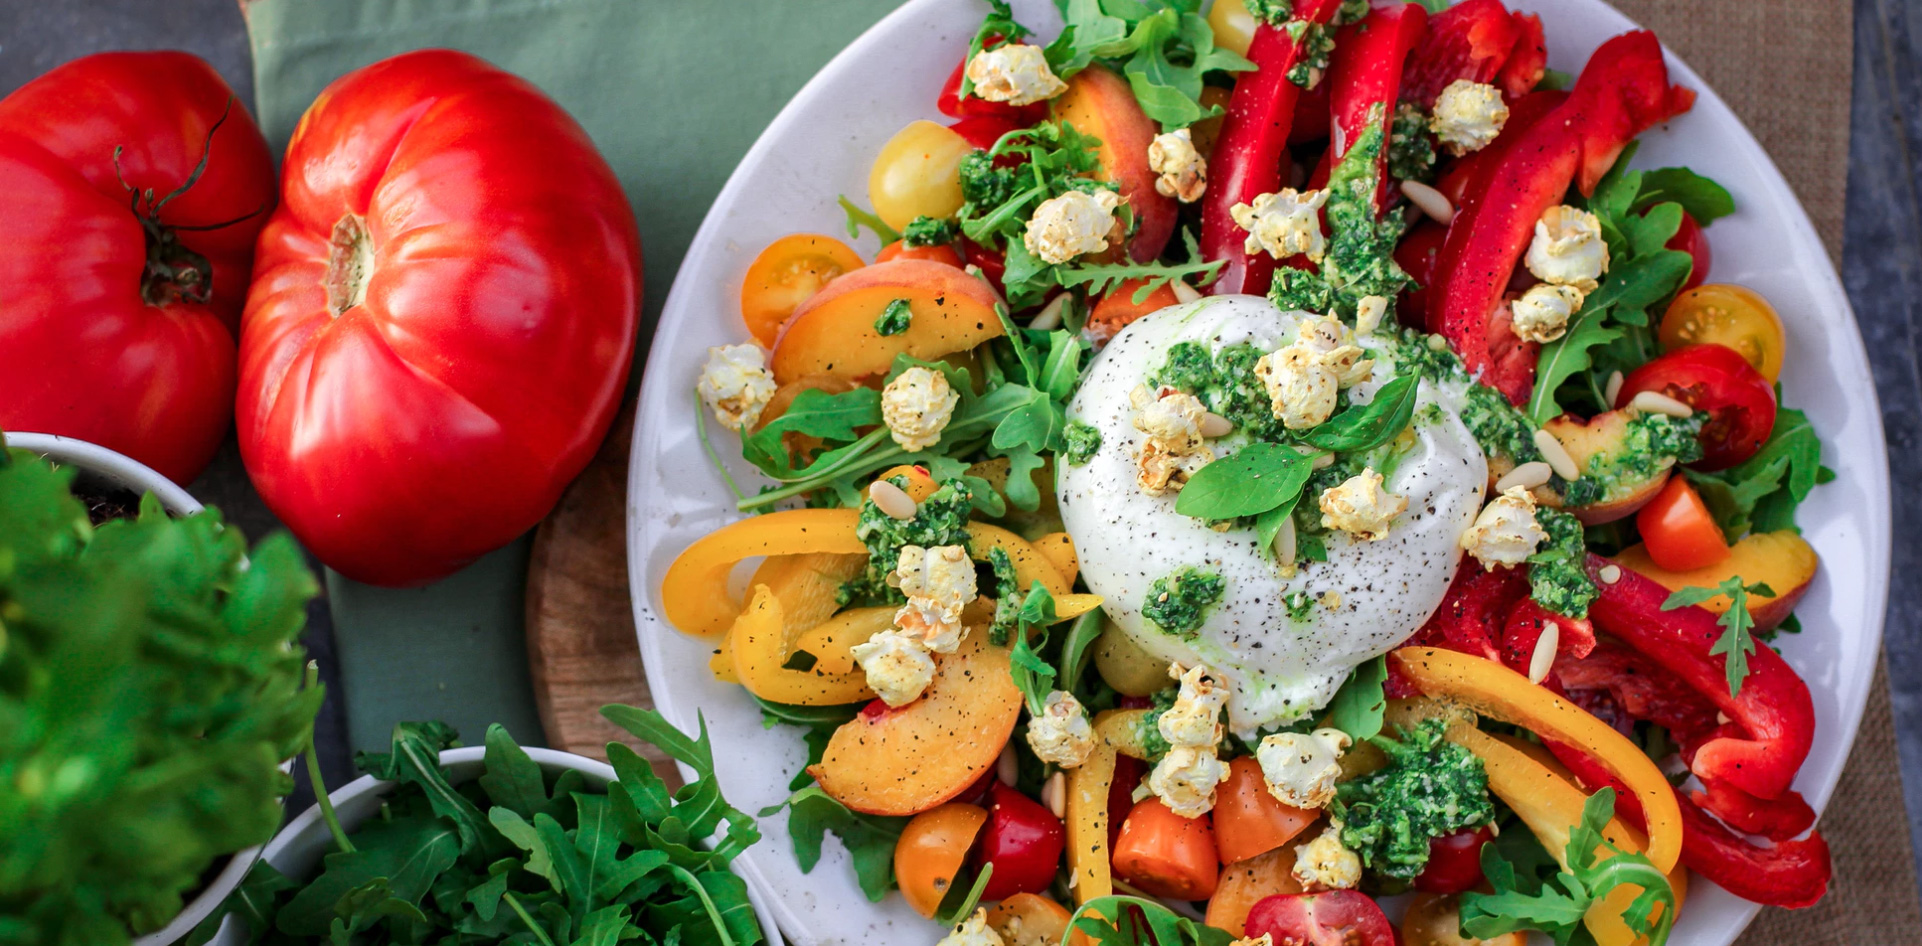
x=1054, y=793
x=1432, y=202
x=1614, y=388
x=1527, y=476
x=1437, y=343
x=1323, y=462
x=1005, y=767
x=1557, y=456
x=1049, y=318
x=1651, y=402
x=1285, y=541
x=1610, y=574
x=1721, y=718
x=1545, y=648
x=1214, y=425
x=1183, y=292
x=892, y=500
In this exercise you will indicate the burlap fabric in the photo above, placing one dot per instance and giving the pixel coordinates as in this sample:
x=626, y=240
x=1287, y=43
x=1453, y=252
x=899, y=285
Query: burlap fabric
x=1784, y=67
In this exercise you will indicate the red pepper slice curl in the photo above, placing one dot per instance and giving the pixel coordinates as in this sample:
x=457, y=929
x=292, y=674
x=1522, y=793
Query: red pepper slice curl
x=1471, y=40
x=1248, y=155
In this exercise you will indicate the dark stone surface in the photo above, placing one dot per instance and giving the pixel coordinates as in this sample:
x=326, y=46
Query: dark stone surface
x=1880, y=267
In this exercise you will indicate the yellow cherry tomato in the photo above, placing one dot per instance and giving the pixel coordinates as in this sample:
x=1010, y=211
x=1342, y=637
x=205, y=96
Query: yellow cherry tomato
x=790, y=270
x=918, y=174
x=1726, y=314
x=1234, y=26
x=931, y=850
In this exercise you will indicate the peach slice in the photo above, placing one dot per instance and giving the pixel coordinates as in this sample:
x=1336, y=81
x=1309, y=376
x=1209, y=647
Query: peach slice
x=1784, y=561
x=906, y=760
x=1102, y=104
x=1246, y=883
x=1591, y=443
x=833, y=332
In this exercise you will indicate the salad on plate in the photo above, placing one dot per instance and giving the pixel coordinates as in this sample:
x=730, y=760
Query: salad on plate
x=1285, y=477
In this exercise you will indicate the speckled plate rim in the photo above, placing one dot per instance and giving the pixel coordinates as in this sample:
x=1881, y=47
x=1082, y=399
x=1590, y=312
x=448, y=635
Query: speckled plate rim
x=821, y=145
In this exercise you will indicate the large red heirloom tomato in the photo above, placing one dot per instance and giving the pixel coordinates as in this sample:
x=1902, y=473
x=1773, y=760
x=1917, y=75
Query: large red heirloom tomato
x=441, y=320
x=122, y=291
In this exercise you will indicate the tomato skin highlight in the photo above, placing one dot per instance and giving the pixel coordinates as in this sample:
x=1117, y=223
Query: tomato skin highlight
x=1167, y=855
x=1332, y=918
x=1023, y=840
x=1454, y=861
x=1715, y=379
x=1678, y=530
x=82, y=352
x=404, y=425
x=1249, y=819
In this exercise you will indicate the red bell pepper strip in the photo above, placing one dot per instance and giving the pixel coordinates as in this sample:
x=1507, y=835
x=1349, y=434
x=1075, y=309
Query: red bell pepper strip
x=1622, y=685
x=1471, y=40
x=1253, y=144
x=1522, y=632
x=1789, y=874
x=1621, y=93
x=1365, y=79
x=1774, y=710
x=1777, y=819
x=1527, y=61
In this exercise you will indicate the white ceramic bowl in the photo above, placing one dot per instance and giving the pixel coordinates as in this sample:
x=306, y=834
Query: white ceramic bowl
x=296, y=851
x=821, y=146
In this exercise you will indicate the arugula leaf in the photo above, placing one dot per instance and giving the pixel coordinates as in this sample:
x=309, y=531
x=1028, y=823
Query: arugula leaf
x=1761, y=493
x=814, y=413
x=858, y=218
x=1364, y=427
x=1704, y=199
x=961, y=898
x=1163, y=47
x=1034, y=677
x=1358, y=706
x=1119, y=920
x=1074, y=651
x=1253, y=480
x=1564, y=357
x=869, y=839
x=1556, y=907
x=1737, y=640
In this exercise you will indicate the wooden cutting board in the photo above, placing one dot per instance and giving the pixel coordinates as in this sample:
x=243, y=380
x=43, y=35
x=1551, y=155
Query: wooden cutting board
x=581, y=650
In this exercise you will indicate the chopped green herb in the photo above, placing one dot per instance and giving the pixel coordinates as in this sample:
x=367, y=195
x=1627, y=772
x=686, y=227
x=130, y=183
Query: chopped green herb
x=929, y=231
x=1430, y=787
x=1411, y=153
x=1226, y=384
x=1315, y=41
x=895, y=318
x=1083, y=441
x=1178, y=602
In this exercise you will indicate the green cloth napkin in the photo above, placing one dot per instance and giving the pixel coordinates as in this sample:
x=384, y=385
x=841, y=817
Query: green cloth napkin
x=673, y=92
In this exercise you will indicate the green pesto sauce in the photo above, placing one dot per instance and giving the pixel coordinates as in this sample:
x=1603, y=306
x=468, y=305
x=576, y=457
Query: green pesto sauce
x=941, y=519
x=1007, y=596
x=1556, y=576
x=929, y=231
x=895, y=318
x=1411, y=155
x=1651, y=445
x=1226, y=384
x=1430, y=787
x=1360, y=261
x=1083, y=441
x=1500, y=428
x=1148, y=727
x=1178, y=602
x=1316, y=42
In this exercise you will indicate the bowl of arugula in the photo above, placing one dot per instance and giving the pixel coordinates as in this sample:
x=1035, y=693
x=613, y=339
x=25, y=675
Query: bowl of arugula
x=503, y=843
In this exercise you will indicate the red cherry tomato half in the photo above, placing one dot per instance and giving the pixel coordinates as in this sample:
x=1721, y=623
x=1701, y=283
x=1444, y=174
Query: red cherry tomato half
x=1335, y=918
x=1454, y=861
x=953, y=105
x=1023, y=841
x=1690, y=239
x=1716, y=379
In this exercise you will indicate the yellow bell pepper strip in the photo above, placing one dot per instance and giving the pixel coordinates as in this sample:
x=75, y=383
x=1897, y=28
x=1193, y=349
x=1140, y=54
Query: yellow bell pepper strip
x=832, y=640
x=759, y=644
x=694, y=594
x=1493, y=690
x=1058, y=549
x=1030, y=566
x=1090, y=872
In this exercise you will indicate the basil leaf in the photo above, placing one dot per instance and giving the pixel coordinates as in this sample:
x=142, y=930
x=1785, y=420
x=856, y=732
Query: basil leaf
x=1367, y=426
x=1255, y=479
x=1360, y=703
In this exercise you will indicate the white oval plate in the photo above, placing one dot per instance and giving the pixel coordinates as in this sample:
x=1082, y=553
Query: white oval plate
x=821, y=146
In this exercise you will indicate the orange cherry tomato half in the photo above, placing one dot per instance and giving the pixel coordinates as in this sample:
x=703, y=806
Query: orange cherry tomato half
x=1725, y=314
x=1678, y=530
x=1027, y=919
x=1167, y=855
x=943, y=253
x=1118, y=308
x=931, y=851
x=1249, y=819
x=790, y=270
